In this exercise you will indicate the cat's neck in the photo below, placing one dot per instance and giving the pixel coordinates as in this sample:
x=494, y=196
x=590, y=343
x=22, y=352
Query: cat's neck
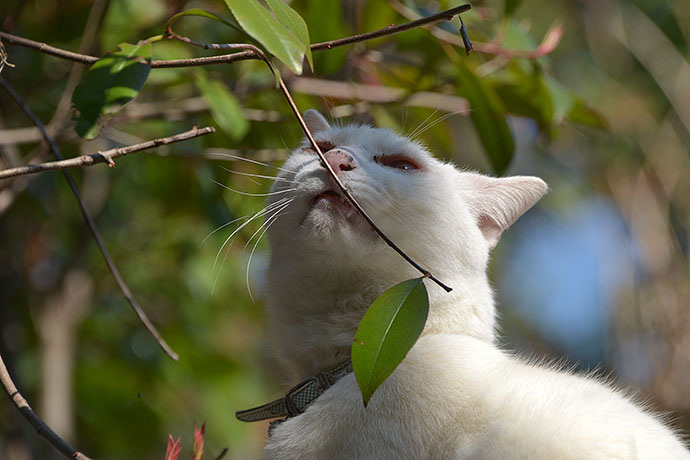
x=315, y=311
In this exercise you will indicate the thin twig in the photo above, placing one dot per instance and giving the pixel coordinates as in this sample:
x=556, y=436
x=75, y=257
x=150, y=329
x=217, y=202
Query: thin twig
x=234, y=57
x=91, y=224
x=442, y=16
x=105, y=156
x=39, y=425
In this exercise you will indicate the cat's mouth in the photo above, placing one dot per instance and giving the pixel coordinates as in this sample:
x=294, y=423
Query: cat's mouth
x=334, y=200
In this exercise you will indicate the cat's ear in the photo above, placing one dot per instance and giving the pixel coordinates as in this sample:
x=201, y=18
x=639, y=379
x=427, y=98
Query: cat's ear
x=497, y=202
x=315, y=121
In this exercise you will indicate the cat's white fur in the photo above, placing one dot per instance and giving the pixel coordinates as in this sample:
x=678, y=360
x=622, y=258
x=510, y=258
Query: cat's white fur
x=456, y=395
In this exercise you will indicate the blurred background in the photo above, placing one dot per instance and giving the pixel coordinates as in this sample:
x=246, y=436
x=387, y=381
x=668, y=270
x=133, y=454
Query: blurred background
x=591, y=95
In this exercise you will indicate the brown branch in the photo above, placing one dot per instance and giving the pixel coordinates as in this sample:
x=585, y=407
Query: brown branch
x=234, y=57
x=91, y=224
x=105, y=156
x=41, y=428
x=390, y=30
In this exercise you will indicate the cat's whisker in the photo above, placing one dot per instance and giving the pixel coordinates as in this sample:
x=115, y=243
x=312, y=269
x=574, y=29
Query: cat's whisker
x=263, y=212
x=414, y=132
x=276, y=210
x=267, y=224
x=275, y=178
x=250, y=160
x=277, y=192
x=222, y=227
x=439, y=120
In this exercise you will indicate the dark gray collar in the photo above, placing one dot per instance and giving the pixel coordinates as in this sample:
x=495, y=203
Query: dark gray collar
x=298, y=398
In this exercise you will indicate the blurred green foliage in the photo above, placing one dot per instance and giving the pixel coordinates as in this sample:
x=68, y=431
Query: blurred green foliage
x=157, y=210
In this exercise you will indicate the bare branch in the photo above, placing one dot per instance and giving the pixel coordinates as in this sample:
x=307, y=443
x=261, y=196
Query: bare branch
x=105, y=156
x=390, y=30
x=241, y=56
x=91, y=224
x=41, y=428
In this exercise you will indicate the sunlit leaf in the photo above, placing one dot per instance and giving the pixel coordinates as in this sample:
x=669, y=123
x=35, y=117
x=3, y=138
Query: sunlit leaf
x=278, y=40
x=223, y=105
x=204, y=14
x=389, y=329
x=110, y=83
x=293, y=22
x=489, y=118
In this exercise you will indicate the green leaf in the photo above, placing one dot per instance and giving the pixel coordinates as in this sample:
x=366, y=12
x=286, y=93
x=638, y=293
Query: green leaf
x=204, y=14
x=389, y=329
x=110, y=83
x=583, y=114
x=280, y=41
x=225, y=109
x=293, y=22
x=562, y=100
x=489, y=118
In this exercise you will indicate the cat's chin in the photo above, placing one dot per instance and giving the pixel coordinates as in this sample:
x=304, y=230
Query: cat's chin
x=330, y=213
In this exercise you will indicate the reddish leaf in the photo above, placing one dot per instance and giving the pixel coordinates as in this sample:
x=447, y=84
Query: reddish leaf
x=198, y=449
x=173, y=449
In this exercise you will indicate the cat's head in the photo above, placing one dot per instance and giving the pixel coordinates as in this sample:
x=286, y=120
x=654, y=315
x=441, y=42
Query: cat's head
x=446, y=219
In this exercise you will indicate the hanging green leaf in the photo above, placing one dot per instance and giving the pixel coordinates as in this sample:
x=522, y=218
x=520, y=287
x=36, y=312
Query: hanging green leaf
x=110, y=83
x=278, y=40
x=293, y=22
x=389, y=329
x=204, y=14
x=225, y=109
x=489, y=118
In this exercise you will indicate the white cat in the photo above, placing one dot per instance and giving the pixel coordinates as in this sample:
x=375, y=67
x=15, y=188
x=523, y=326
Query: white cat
x=456, y=395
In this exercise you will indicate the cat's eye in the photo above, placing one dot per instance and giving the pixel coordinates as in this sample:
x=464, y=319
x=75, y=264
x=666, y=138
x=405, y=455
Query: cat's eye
x=398, y=162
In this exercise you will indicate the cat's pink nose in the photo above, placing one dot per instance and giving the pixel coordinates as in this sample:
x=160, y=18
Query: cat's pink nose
x=340, y=161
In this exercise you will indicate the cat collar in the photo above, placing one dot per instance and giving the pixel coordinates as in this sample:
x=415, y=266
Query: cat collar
x=298, y=398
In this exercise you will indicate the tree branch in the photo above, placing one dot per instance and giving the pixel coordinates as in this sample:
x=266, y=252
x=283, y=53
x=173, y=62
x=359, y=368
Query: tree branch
x=41, y=428
x=105, y=156
x=234, y=57
x=91, y=224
